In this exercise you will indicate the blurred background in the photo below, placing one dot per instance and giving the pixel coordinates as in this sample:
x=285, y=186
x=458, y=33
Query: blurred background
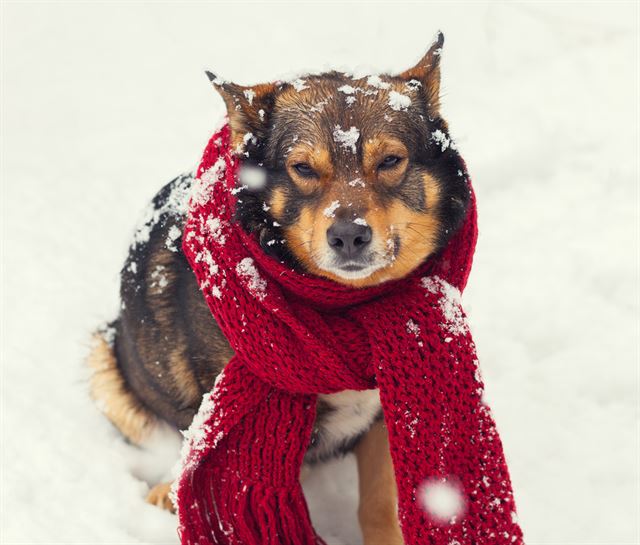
x=103, y=103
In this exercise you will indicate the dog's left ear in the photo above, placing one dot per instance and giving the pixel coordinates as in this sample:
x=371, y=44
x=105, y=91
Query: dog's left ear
x=427, y=72
x=248, y=109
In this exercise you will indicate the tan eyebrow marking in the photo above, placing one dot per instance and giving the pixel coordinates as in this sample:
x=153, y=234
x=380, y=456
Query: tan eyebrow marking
x=375, y=149
x=318, y=158
x=277, y=202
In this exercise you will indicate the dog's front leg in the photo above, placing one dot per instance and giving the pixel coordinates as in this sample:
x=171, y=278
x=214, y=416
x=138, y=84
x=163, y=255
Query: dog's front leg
x=377, y=510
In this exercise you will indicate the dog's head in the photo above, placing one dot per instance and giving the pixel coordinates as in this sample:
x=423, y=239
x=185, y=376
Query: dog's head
x=356, y=180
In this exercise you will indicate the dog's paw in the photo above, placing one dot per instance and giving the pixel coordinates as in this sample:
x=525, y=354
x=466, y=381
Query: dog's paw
x=159, y=496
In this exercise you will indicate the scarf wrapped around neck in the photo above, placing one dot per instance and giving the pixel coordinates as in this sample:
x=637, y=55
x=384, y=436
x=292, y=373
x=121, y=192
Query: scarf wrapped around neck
x=296, y=336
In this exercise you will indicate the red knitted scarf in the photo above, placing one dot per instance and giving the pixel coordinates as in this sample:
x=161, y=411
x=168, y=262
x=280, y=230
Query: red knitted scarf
x=241, y=460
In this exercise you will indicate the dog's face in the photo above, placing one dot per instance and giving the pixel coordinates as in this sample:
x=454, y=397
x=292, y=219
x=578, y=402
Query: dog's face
x=362, y=182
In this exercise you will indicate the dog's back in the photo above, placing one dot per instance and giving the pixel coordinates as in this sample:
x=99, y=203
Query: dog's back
x=165, y=349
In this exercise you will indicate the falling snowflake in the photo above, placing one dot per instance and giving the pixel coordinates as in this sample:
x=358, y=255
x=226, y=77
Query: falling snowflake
x=442, y=499
x=253, y=177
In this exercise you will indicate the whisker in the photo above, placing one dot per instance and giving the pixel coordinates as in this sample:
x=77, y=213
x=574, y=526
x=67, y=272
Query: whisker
x=421, y=235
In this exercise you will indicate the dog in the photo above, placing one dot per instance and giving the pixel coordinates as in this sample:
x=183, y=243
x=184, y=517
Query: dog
x=372, y=217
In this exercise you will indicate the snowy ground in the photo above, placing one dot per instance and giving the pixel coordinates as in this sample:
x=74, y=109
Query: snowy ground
x=103, y=103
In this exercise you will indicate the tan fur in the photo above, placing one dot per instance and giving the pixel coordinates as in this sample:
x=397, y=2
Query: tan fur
x=377, y=511
x=109, y=391
x=183, y=375
x=417, y=230
x=375, y=150
x=318, y=157
x=159, y=496
x=301, y=235
x=277, y=203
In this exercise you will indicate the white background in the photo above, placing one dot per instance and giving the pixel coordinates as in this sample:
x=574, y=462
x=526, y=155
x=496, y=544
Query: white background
x=102, y=103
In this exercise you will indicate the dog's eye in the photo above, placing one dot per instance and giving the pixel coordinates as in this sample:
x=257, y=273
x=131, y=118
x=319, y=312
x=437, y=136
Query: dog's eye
x=304, y=170
x=389, y=161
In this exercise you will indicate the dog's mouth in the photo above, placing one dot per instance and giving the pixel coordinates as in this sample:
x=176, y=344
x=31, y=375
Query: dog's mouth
x=353, y=267
x=355, y=271
x=361, y=267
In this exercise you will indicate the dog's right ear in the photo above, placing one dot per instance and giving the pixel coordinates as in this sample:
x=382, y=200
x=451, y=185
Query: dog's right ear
x=248, y=108
x=427, y=72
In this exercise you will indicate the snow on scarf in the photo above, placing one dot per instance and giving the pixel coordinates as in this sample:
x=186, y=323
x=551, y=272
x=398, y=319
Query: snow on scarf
x=239, y=483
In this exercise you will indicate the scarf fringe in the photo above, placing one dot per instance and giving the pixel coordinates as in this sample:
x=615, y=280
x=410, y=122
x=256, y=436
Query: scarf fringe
x=256, y=513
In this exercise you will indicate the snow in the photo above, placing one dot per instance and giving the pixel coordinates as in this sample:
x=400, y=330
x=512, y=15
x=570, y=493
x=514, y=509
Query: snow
x=442, y=499
x=413, y=328
x=450, y=301
x=197, y=437
x=253, y=177
x=215, y=228
x=176, y=204
x=441, y=139
x=376, y=81
x=347, y=89
x=172, y=235
x=255, y=283
x=249, y=137
x=159, y=279
x=319, y=106
x=299, y=84
x=347, y=139
x=541, y=99
x=398, y=101
x=205, y=254
x=330, y=211
x=249, y=94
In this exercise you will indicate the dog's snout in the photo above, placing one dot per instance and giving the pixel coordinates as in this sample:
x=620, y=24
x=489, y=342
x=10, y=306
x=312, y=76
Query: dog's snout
x=347, y=238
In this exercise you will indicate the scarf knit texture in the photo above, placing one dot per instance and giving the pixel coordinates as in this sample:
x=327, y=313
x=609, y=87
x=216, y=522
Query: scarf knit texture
x=296, y=336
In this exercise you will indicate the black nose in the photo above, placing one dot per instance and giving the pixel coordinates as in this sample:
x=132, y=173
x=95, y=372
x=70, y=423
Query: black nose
x=347, y=238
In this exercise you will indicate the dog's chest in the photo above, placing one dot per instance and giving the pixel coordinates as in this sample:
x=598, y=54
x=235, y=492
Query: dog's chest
x=341, y=420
